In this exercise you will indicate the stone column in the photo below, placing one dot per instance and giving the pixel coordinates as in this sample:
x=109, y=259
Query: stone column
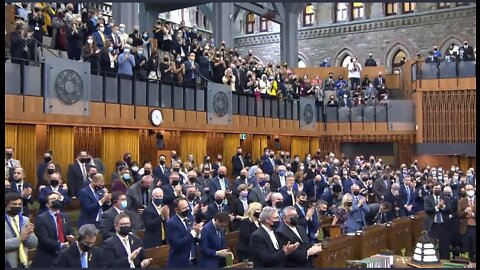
x=126, y=13
x=289, y=32
x=222, y=24
x=376, y=10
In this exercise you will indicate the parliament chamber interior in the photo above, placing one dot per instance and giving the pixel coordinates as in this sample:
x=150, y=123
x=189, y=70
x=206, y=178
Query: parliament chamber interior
x=240, y=135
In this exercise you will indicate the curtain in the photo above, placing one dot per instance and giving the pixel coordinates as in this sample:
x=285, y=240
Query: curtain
x=259, y=142
x=230, y=144
x=300, y=146
x=115, y=143
x=11, y=136
x=61, y=142
x=194, y=143
x=25, y=151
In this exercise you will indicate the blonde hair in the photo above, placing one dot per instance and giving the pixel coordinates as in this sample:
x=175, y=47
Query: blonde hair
x=345, y=199
x=252, y=208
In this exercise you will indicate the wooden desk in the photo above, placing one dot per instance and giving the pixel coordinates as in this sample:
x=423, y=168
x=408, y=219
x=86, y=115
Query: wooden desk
x=417, y=226
x=159, y=256
x=336, y=252
x=372, y=241
x=399, y=236
x=232, y=240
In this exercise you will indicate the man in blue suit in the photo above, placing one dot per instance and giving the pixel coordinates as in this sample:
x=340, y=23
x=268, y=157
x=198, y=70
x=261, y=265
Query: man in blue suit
x=315, y=187
x=269, y=164
x=213, y=246
x=161, y=172
x=56, y=188
x=307, y=216
x=407, y=195
x=182, y=236
x=220, y=182
x=94, y=199
x=356, y=220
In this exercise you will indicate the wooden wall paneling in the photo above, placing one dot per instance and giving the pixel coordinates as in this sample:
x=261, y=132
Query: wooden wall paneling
x=214, y=145
x=252, y=123
x=112, y=111
x=13, y=106
x=275, y=124
x=259, y=142
x=179, y=119
x=88, y=139
x=127, y=113
x=191, y=118
x=230, y=144
x=41, y=137
x=25, y=151
x=168, y=117
x=148, y=145
x=314, y=145
x=11, y=135
x=33, y=105
x=285, y=143
x=193, y=143
x=300, y=146
x=61, y=141
x=344, y=128
x=447, y=84
x=243, y=121
x=268, y=125
x=247, y=145
x=467, y=83
x=202, y=119
x=357, y=128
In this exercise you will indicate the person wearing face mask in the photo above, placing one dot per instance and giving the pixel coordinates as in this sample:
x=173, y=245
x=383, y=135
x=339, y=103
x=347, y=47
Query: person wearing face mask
x=129, y=244
x=122, y=34
x=23, y=188
x=126, y=61
x=307, y=216
x=467, y=215
x=398, y=207
x=94, y=200
x=279, y=179
x=260, y=192
x=124, y=181
x=178, y=69
x=295, y=163
x=42, y=167
x=466, y=52
x=242, y=179
x=213, y=247
x=453, y=223
x=119, y=205
x=140, y=70
x=154, y=217
x=51, y=168
x=269, y=162
x=219, y=204
x=199, y=184
x=10, y=162
x=81, y=253
x=220, y=182
x=342, y=214
x=108, y=59
x=471, y=179
x=54, y=231
x=268, y=251
x=54, y=186
x=90, y=53
x=238, y=162
x=247, y=227
x=438, y=209
x=161, y=171
x=183, y=234
x=381, y=187
x=99, y=36
x=240, y=204
x=135, y=170
x=136, y=37
x=291, y=231
x=333, y=195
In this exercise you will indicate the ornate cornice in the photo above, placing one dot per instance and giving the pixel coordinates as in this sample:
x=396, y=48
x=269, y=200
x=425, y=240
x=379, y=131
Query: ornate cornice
x=393, y=22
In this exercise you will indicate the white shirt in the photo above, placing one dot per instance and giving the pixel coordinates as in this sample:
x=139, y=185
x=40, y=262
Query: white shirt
x=351, y=72
x=294, y=229
x=282, y=180
x=126, y=245
x=272, y=236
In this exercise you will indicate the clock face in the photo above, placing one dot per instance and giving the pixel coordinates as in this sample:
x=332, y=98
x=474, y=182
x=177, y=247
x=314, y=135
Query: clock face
x=156, y=117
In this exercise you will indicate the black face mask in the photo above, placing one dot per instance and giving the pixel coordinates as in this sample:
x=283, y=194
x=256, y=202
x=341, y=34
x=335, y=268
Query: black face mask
x=92, y=175
x=206, y=176
x=176, y=169
x=98, y=188
x=15, y=210
x=158, y=202
x=54, y=183
x=84, y=247
x=294, y=221
x=47, y=159
x=191, y=196
x=355, y=193
x=36, y=9
x=322, y=212
x=279, y=204
x=57, y=205
x=147, y=172
x=275, y=224
x=437, y=192
x=348, y=204
x=221, y=175
x=243, y=177
x=185, y=213
x=162, y=162
x=463, y=194
x=256, y=214
x=192, y=179
x=271, y=155
x=219, y=201
x=50, y=171
x=175, y=182
x=126, y=230
x=304, y=204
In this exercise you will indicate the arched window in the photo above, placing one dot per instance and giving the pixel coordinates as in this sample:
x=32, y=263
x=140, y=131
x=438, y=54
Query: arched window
x=250, y=23
x=341, y=12
x=346, y=60
x=397, y=60
x=308, y=15
x=263, y=24
x=301, y=63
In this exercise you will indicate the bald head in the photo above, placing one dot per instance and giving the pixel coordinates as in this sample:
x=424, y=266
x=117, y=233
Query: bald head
x=147, y=180
x=220, y=194
x=222, y=170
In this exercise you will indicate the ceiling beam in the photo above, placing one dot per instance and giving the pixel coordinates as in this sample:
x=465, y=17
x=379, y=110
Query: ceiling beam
x=259, y=10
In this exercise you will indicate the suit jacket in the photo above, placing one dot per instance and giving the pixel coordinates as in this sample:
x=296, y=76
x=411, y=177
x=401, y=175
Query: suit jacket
x=189, y=71
x=462, y=215
x=379, y=189
x=311, y=226
x=237, y=165
x=246, y=228
x=215, y=185
x=264, y=253
x=395, y=202
x=169, y=197
x=379, y=81
x=315, y=190
x=298, y=258
x=356, y=216
x=256, y=195
x=275, y=183
x=268, y=167
x=12, y=244
x=26, y=200
x=213, y=210
x=287, y=199
x=70, y=258
x=181, y=242
x=42, y=198
x=135, y=197
x=238, y=181
x=430, y=211
x=407, y=200
x=162, y=176
x=48, y=242
x=89, y=207
x=115, y=255
x=211, y=242
x=420, y=194
x=75, y=178
x=106, y=224
x=153, y=227
x=98, y=39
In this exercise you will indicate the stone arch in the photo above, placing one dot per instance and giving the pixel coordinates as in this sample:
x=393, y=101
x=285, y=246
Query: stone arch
x=443, y=47
x=340, y=56
x=304, y=58
x=392, y=52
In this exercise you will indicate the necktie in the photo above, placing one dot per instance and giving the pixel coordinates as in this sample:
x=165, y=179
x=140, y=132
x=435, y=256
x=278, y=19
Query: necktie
x=84, y=260
x=84, y=172
x=408, y=195
x=61, y=236
x=21, y=251
x=264, y=192
x=19, y=188
x=293, y=198
x=10, y=164
x=129, y=252
x=241, y=160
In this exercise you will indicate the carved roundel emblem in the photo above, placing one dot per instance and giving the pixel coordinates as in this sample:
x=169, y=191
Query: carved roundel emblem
x=69, y=86
x=308, y=114
x=220, y=104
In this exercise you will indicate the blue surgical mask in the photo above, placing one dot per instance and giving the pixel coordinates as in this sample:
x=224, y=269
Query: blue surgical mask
x=124, y=204
x=126, y=176
x=110, y=49
x=126, y=50
x=262, y=183
x=282, y=173
x=145, y=36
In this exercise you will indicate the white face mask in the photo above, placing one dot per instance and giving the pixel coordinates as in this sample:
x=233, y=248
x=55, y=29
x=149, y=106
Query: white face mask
x=135, y=168
x=89, y=41
x=470, y=193
x=102, y=29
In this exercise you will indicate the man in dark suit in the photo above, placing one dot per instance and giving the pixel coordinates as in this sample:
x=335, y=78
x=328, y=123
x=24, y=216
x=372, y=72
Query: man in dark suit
x=161, y=171
x=54, y=232
x=171, y=191
x=315, y=187
x=381, y=187
x=197, y=182
x=288, y=192
x=378, y=213
x=260, y=192
x=81, y=253
x=220, y=182
x=407, y=195
x=154, y=218
x=182, y=236
x=466, y=52
x=467, y=213
x=23, y=188
x=437, y=210
x=307, y=216
x=191, y=69
x=379, y=81
x=139, y=196
x=124, y=249
x=119, y=205
x=290, y=231
x=94, y=199
x=92, y=170
x=219, y=204
x=242, y=179
x=53, y=187
x=279, y=179
x=213, y=246
x=237, y=162
x=269, y=163
x=269, y=253
x=77, y=173
x=453, y=223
